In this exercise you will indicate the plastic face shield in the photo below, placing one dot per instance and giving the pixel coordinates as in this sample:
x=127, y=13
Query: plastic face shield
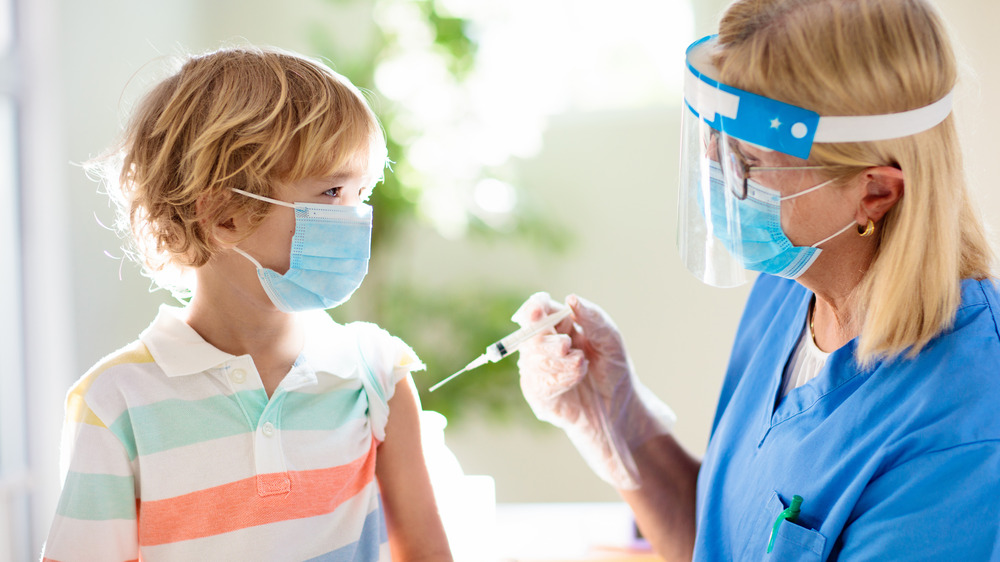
x=717, y=199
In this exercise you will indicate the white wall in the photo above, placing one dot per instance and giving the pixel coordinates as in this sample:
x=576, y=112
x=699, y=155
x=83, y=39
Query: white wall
x=609, y=175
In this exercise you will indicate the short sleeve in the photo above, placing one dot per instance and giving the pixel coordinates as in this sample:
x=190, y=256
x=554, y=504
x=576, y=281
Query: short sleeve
x=385, y=360
x=939, y=506
x=96, y=518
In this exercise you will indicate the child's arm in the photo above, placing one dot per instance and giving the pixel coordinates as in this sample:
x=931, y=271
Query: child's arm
x=96, y=517
x=415, y=530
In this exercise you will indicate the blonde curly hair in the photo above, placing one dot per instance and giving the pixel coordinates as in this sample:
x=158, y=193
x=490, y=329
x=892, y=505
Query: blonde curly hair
x=242, y=117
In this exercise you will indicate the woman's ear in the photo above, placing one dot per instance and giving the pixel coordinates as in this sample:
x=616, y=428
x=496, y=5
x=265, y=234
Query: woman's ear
x=882, y=187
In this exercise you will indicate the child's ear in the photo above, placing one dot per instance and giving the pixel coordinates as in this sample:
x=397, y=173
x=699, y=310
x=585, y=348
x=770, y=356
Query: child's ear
x=220, y=228
x=225, y=232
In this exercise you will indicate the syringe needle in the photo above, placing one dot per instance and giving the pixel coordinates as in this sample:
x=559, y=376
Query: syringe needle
x=478, y=361
x=435, y=387
x=511, y=343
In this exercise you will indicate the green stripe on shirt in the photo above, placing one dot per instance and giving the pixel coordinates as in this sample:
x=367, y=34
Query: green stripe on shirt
x=175, y=423
x=327, y=411
x=97, y=497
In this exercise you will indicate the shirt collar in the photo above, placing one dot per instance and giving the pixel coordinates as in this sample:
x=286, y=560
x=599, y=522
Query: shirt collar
x=179, y=350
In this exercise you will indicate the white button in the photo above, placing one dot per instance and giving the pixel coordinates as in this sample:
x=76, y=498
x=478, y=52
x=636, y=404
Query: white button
x=267, y=429
x=799, y=130
x=239, y=376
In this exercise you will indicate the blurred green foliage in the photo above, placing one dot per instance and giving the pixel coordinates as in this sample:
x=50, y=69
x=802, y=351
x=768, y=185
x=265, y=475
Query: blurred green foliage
x=446, y=327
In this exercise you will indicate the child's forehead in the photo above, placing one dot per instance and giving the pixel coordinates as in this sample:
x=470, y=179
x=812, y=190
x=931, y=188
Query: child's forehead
x=359, y=169
x=343, y=165
x=356, y=163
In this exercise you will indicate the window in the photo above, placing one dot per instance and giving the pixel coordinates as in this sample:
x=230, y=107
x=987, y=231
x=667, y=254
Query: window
x=14, y=490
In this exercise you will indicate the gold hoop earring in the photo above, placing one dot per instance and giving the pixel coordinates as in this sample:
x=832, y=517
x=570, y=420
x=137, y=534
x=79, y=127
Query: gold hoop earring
x=868, y=230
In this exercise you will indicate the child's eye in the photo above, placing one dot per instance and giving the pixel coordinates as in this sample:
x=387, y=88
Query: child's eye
x=332, y=192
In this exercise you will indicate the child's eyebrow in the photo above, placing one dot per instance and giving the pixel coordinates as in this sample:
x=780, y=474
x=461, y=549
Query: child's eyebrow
x=338, y=178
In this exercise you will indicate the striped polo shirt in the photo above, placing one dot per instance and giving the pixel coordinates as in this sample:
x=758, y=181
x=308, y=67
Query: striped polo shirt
x=173, y=451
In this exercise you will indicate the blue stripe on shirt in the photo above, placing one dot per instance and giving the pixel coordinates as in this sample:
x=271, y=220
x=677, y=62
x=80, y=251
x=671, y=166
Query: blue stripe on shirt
x=373, y=534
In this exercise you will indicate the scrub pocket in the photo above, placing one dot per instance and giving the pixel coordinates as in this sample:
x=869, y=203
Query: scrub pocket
x=793, y=542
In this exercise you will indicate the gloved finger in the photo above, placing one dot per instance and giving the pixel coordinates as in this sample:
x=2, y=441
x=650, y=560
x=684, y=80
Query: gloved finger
x=545, y=378
x=535, y=308
x=553, y=345
x=551, y=353
x=561, y=367
x=588, y=314
x=597, y=329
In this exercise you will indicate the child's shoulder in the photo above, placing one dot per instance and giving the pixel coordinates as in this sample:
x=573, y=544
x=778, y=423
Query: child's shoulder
x=366, y=333
x=369, y=331
x=387, y=355
x=100, y=383
x=135, y=353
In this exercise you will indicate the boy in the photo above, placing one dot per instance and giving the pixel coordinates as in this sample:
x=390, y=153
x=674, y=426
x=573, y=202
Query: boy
x=248, y=425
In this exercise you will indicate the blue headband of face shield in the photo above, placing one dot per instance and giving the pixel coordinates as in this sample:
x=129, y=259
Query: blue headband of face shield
x=787, y=128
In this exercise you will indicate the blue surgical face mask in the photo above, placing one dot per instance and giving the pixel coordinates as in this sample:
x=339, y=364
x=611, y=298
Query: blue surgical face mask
x=329, y=257
x=750, y=229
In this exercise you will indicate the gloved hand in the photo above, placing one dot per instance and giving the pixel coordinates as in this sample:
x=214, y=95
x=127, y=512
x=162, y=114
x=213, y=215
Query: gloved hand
x=584, y=383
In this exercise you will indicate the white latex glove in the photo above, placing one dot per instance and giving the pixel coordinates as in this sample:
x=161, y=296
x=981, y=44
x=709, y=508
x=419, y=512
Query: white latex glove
x=584, y=383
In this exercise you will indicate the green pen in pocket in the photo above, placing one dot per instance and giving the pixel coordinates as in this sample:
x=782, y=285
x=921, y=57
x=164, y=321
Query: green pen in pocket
x=790, y=514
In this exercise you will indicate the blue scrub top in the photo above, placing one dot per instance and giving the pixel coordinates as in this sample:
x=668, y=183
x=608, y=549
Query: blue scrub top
x=897, y=462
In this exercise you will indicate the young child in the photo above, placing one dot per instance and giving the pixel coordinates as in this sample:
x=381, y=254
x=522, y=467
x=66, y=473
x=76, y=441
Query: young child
x=248, y=425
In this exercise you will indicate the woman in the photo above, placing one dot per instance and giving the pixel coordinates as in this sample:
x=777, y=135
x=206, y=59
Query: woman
x=857, y=419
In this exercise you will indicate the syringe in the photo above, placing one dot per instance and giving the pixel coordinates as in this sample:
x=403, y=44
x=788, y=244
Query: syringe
x=509, y=344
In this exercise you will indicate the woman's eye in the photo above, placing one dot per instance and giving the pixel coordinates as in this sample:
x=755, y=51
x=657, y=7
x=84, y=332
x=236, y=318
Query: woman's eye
x=332, y=192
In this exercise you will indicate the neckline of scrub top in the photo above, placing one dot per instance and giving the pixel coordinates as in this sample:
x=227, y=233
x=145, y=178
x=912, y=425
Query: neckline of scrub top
x=841, y=372
x=840, y=369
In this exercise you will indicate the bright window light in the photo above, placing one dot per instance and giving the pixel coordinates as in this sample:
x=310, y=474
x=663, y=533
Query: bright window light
x=535, y=59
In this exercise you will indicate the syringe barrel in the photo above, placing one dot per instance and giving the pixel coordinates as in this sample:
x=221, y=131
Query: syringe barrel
x=497, y=352
x=509, y=344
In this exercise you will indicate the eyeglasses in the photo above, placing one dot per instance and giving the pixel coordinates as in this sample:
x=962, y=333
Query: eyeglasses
x=736, y=170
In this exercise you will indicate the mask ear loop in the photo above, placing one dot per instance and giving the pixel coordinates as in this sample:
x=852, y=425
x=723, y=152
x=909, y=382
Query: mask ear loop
x=834, y=235
x=249, y=257
x=810, y=190
x=265, y=199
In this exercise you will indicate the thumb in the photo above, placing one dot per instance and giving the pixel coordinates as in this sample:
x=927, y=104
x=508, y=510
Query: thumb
x=598, y=329
x=588, y=315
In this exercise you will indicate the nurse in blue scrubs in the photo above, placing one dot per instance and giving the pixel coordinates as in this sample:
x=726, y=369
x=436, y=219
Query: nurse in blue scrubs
x=859, y=417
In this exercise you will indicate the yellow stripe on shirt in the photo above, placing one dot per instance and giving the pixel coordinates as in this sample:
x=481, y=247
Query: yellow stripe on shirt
x=77, y=409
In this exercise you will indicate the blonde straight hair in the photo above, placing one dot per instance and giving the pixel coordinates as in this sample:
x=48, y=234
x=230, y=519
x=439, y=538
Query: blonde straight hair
x=241, y=117
x=869, y=57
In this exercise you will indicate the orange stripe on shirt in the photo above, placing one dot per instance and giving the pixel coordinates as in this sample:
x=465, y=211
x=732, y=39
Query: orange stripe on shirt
x=240, y=505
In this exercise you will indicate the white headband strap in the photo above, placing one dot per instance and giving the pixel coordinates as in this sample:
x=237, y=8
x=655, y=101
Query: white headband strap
x=864, y=128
